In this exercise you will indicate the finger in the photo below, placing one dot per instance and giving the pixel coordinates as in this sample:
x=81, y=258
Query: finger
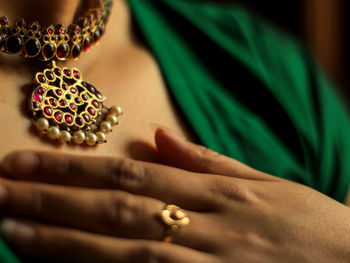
x=113, y=213
x=169, y=184
x=66, y=245
x=176, y=151
x=106, y=212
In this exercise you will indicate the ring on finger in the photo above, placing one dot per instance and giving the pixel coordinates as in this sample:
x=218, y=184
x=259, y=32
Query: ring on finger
x=174, y=218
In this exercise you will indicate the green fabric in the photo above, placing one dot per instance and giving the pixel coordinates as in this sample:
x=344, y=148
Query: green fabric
x=6, y=255
x=248, y=91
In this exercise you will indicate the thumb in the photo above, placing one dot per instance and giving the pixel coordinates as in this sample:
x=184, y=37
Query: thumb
x=178, y=152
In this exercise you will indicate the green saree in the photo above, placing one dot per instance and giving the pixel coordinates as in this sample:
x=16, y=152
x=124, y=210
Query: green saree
x=247, y=91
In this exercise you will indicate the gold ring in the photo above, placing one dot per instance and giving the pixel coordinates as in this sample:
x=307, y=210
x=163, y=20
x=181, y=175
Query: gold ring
x=174, y=218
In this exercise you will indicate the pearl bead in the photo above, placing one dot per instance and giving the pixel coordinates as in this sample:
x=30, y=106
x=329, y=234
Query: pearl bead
x=65, y=137
x=113, y=119
x=53, y=133
x=79, y=137
x=116, y=110
x=42, y=124
x=91, y=139
x=106, y=127
x=101, y=137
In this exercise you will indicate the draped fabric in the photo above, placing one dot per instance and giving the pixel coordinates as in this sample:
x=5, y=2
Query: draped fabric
x=247, y=91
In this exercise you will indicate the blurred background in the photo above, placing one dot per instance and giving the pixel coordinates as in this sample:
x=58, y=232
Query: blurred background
x=322, y=25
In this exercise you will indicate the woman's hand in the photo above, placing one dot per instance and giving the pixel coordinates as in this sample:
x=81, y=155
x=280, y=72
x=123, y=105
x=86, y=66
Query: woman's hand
x=84, y=209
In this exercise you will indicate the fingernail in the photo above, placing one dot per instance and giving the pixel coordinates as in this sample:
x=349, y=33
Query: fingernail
x=23, y=162
x=171, y=132
x=18, y=232
x=155, y=126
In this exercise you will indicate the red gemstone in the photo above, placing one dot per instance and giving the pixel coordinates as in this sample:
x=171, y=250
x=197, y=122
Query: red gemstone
x=72, y=106
x=49, y=51
x=53, y=102
x=37, y=97
x=58, y=116
x=73, y=90
x=76, y=74
x=49, y=75
x=50, y=30
x=91, y=111
x=62, y=51
x=58, y=92
x=84, y=97
x=64, y=86
x=63, y=103
x=40, y=90
x=86, y=117
x=57, y=71
x=99, y=95
x=48, y=111
x=91, y=88
x=63, y=30
x=87, y=44
x=68, y=119
x=76, y=51
x=95, y=104
x=77, y=100
x=67, y=72
x=41, y=78
x=79, y=121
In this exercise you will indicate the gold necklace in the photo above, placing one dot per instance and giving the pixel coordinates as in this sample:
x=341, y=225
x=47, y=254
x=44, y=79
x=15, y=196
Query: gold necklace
x=63, y=106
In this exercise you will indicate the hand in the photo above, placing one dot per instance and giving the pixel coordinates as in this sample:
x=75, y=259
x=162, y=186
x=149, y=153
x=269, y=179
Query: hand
x=109, y=210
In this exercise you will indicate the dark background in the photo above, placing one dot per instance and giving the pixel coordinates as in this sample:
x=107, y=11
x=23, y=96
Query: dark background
x=322, y=25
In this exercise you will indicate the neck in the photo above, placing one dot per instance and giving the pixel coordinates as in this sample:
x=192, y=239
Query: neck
x=45, y=11
x=65, y=12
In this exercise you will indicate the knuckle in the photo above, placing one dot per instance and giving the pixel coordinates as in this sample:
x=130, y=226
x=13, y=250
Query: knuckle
x=127, y=174
x=208, y=158
x=233, y=190
x=205, y=153
x=124, y=210
x=63, y=167
x=38, y=200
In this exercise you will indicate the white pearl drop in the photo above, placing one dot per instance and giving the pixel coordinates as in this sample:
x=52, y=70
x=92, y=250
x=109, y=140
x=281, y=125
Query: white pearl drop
x=106, y=127
x=53, y=133
x=113, y=119
x=91, y=139
x=101, y=137
x=116, y=110
x=79, y=137
x=42, y=124
x=65, y=137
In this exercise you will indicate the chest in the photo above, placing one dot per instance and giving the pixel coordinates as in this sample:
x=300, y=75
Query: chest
x=132, y=80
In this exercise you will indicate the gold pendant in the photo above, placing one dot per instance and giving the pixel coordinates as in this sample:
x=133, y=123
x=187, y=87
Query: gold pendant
x=68, y=109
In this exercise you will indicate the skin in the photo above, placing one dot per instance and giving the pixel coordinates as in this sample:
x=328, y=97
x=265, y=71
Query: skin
x=112, y=67
x=108, y=205
x=111, y=210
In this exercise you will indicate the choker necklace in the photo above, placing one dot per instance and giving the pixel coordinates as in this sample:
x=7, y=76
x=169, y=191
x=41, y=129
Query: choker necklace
x=63, y=106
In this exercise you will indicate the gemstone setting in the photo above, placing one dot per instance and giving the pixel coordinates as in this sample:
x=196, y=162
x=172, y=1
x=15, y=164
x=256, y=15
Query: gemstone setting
x=32, y=47
x=14, y=44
